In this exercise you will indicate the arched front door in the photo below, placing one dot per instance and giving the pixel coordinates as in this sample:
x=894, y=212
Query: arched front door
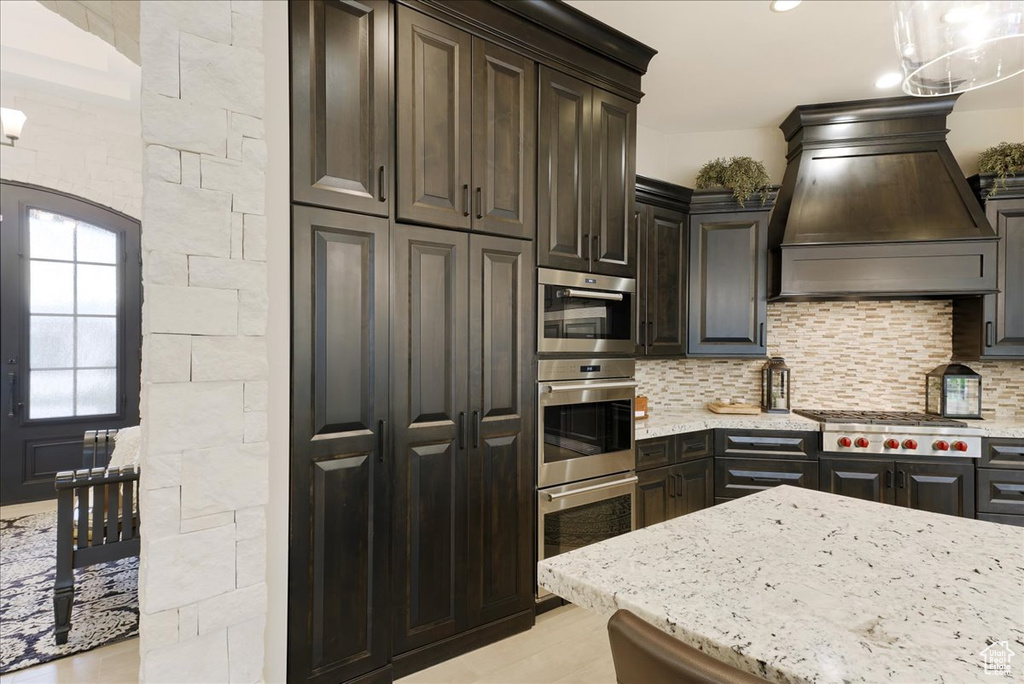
x=70, y=292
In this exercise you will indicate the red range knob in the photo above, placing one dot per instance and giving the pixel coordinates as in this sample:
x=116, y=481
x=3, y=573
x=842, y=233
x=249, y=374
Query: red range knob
x=845, y=441
x=909, y=444
x=892, y=444
x=941, y=445
x=960, y=446
x=861, y=443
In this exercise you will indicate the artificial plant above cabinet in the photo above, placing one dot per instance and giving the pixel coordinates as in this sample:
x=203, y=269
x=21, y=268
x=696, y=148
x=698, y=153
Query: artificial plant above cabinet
x=466, y=130
x=992, y=326
x=586, y=170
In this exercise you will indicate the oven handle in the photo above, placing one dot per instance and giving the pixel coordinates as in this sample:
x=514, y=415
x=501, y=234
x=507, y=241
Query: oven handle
x=592, y=488
x=592, y=386
x=593, y=294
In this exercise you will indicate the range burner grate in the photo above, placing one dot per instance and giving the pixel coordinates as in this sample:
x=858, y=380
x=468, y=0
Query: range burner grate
x=881, y=418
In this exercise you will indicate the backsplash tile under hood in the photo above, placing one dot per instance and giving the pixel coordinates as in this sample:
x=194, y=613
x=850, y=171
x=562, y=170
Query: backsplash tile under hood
x=844, y=355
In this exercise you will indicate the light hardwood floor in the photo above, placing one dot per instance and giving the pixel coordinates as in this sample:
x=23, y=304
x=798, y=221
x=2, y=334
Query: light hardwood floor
x=568, y=646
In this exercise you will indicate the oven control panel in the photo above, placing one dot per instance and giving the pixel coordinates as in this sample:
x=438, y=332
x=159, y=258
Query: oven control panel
x=901, y=442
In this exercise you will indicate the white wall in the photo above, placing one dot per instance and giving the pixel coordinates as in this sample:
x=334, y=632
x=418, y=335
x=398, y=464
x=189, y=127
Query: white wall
x=677, y=158
x=76, y=145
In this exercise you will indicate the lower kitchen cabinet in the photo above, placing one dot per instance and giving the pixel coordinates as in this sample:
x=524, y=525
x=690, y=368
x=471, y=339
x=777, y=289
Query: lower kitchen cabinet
x=1001, y=481
x=668, y=492
x=937, y=487
x=868, y=480
x=736, y=477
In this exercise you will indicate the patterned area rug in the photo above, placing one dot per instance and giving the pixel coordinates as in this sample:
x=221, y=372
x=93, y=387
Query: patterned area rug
x=106, y=605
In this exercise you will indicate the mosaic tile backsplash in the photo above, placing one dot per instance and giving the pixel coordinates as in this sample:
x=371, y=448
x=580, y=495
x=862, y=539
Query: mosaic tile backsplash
x=843, y=355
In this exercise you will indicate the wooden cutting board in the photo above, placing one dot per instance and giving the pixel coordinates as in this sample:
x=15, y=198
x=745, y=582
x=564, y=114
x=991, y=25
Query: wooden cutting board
x=721, y=407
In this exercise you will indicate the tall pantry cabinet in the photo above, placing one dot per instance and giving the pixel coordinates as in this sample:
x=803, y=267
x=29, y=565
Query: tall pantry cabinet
x=414, y=200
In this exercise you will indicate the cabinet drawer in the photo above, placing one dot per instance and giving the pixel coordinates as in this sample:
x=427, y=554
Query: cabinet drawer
x=1001, y=491
x=770, y=443
x=694, y=445
x=655, y=452
x=1002, y=453
x=1016, y=520
x=735, y=477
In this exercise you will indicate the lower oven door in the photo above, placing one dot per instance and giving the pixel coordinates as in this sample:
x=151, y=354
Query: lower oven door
x=585, y=429
x=576, y=515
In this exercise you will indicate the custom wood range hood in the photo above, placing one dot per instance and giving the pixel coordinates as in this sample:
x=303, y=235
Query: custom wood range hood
x=874, y=206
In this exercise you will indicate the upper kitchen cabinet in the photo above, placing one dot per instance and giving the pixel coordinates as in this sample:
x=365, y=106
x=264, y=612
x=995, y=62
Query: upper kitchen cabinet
x=466, y=130
x=727, y=275
x=661, y=226
x=341, y=104
x=992, y=326
x=586, y=154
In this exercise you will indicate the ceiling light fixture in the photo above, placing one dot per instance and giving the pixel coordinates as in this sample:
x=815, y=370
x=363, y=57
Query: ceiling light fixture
x=952, y=47
x=12, y=121
x=889, y=80
x=783, y=5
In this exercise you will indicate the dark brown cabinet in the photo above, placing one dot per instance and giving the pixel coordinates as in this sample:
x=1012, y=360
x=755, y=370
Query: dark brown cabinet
x=928, y=486
x=661, y=269
x=1001, y=481
x=339, y=536
x=463, y=421
x=727, y=276
x=341, y=104
x=992, y=326
x=586, y=171
x=466, y=130
x=736, y=477
x=672, y=491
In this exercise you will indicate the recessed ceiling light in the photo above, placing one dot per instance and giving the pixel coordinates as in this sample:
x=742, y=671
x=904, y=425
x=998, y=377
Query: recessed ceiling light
x=889, y=80
x=783, y=5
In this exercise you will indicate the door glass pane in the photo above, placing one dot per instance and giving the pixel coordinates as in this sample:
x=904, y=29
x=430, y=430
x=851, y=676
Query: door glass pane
x=579, y=526
x=572, y=317
x=97, y=342
x=587, y=429
x=52, y=287
x=97, y=289
x=51, y=236
x=96, y=244
x=96, y=392
x=53, y=342
x=51, y=394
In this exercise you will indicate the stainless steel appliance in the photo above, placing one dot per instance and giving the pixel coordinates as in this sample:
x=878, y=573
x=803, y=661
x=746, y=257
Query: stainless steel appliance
x=895, y=433
x=584, y=313
x=585, y=418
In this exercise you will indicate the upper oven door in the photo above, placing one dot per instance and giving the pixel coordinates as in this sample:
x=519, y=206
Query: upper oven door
x=584, y=313
x=585, y=429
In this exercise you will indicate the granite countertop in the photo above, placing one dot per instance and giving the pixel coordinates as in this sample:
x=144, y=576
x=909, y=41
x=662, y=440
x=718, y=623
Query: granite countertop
x=670, y=422
x=803, y=586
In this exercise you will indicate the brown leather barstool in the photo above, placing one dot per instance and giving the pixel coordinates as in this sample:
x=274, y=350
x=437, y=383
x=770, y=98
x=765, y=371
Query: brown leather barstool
x=643, y=654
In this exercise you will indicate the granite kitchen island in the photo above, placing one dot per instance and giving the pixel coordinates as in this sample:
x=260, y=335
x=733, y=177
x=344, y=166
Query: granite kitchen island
x=802, y=586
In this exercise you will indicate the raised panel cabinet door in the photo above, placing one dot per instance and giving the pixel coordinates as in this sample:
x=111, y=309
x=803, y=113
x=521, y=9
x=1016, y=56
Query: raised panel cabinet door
x=656, y=452
x=666, y=283
x=429, y=383
x=434, y=105
x=613, y=181
x=868, y=480
x=727, y=285
x=504, y=141
x=341, y=103
x=1007, y=336
x=695, y=486
x=501, y=396
x=338, y=605
x=641, y=217
x=563, y=171
x=655, y=496
x=937, y=487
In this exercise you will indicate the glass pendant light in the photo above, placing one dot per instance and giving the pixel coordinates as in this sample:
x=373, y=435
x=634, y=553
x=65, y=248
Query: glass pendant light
x=953, y=47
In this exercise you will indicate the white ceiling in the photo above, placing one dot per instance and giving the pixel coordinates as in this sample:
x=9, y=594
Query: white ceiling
x=735, y=65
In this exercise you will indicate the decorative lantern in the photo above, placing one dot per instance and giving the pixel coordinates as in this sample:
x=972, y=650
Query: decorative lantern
x=775, y=386
x=953, y=391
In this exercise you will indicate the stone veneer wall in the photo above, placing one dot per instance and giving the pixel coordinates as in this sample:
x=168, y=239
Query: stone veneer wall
x=115, y=21
x=202, y=588
x=866, y=355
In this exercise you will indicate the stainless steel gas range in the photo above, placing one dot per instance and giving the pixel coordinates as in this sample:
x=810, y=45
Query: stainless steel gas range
x=895, y=433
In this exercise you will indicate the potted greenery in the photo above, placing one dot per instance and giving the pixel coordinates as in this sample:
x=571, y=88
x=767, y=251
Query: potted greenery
x=743, y=175
x=1000, y=161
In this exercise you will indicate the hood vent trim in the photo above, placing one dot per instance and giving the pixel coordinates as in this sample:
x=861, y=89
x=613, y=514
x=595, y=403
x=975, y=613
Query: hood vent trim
x=874, y=206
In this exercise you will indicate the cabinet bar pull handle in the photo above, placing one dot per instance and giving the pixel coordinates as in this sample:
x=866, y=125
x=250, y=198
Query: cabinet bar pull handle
x=671, y=486
x=465, y=200
x=586, y=246
x=642, y=333
x=988, y=334
x=462, y=429
x=650, y=332
x=479, y=202
x=679, y=491
x=888, y=479
x=476, y=429
x=382, y=440
x=380, y=184
x=596, y=237
x=903, y=479
x=12, y=385
x=765, y=479
x=760, y=335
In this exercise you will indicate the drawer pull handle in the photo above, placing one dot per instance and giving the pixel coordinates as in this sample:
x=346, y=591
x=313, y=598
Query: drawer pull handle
x=766, y=479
